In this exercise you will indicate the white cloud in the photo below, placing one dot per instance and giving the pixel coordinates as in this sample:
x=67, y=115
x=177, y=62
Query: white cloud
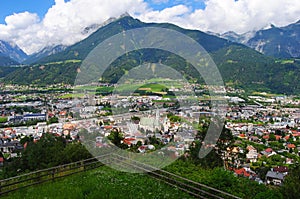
x=175, y=14
x=21, y=20
x=244, y=15
x=65, y=21
x=239, y=16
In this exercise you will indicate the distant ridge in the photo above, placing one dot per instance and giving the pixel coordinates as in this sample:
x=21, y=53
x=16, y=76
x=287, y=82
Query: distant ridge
x=239, y=65
x=279, y=42
x=82, y=48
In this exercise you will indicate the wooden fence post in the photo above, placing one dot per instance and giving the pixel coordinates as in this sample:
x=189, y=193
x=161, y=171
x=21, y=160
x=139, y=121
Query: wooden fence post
x=53, y=173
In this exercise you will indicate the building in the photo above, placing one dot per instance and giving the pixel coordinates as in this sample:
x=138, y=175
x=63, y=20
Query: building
x=274, y=177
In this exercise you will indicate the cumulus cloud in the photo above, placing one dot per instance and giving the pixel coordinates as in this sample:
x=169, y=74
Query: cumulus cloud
x=64, y=21
x=233, y=15
x=245, y=15
x=175, y=14
x=21, y=20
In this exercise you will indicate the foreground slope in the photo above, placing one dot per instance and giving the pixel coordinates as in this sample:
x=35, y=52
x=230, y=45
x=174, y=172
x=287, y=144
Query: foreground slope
x=102, y=183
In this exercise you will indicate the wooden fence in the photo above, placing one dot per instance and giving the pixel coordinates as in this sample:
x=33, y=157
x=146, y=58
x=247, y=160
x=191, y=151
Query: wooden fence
x=15, y=183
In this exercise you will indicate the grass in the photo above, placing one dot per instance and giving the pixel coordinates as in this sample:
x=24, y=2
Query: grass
x=101, y=183
x=71, y=95
x=3, y=119
x=286, y=61
x=264, y=94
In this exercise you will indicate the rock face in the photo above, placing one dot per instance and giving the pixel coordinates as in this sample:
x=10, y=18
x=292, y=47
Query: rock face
x=280, y=42
x=12, y=51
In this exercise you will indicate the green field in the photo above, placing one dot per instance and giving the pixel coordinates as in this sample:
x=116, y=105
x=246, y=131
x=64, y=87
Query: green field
x=285, y=61
x=3, y=119
x=71, y=95
x=264, y=94
x=101, y=183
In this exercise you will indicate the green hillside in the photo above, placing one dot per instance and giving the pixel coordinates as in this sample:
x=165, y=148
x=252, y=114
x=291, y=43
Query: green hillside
x=240, y=66
x=81, y=49
x=102, y=183
x=43, y=74
x=248, y=69
x=5, y=70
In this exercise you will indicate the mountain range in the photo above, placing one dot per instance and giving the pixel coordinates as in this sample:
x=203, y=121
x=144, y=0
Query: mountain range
x=11, y=54
x=279, y=42
x=239, y=65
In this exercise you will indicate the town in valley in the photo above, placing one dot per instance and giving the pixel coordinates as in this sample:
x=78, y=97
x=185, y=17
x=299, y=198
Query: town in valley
x=264, y=128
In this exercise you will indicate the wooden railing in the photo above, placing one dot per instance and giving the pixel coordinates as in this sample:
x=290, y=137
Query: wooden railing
x=40, y=176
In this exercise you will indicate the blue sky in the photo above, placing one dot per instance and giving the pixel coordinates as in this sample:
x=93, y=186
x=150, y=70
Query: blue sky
x=162, y=4
x=9, y=7
x=40, y=7
x=35, y=24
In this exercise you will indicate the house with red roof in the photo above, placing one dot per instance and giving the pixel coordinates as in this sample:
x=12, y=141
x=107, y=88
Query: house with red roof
x=291, y=146
x=269, y=150
x=278, y=137
x=242, y=172
x=266, y=137
x=129, y=141
x=281, y=169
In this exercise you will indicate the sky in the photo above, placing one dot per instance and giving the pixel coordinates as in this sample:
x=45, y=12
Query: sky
x=35, y=24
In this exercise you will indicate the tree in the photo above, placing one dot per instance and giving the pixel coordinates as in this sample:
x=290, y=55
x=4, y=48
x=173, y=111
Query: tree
x=75, y=152
x=211, y=160
x=272, y=137
x=52, y=120
x=116, y=137
x=291, y=187
x=226, y=139
x=46, y=152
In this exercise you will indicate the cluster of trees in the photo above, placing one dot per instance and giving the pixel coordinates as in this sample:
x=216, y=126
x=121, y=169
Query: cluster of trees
x=47, y=152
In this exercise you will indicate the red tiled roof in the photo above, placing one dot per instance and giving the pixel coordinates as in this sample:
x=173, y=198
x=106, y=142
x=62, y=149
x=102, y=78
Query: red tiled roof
x=62, y=113
x=128, y=141
x=269, y=150
x=287, y=137
x=108, y=127
x=291, y=146
x=266, y=137
x=281, y=169
x=242, y=171
x=250, y=147
x=277, y=137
